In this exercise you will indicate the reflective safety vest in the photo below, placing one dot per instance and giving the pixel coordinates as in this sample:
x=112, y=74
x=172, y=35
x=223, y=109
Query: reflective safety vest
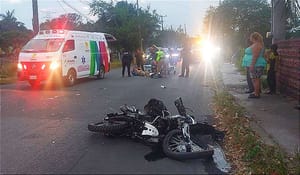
x=159, y=55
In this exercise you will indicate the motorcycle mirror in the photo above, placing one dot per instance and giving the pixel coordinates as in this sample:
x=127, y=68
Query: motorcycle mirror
x=180, y=107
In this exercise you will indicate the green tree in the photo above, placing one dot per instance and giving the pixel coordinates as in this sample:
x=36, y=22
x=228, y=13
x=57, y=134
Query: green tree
x=13, y=34
x=9, y=22
x=293, y=18
x=171, y=38
x=69, y=21
x=126, y=22
x=234, y=20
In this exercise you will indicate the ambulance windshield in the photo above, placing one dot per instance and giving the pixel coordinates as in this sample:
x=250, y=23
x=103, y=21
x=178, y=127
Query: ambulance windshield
x=43, y=45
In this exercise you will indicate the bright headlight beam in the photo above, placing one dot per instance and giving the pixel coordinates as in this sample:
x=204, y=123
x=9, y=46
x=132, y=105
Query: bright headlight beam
x=208, y=50
x=54, y=65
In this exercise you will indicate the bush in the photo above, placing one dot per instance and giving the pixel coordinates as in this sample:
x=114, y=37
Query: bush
x=8, y=69
x=239, y=61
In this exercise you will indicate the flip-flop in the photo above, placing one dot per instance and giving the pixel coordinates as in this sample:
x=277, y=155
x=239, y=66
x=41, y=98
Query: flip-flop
x=253, y=96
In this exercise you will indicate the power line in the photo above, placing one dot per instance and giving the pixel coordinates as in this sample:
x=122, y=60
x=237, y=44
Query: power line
x=84, y=2
x=61, y=6
x=88, y=19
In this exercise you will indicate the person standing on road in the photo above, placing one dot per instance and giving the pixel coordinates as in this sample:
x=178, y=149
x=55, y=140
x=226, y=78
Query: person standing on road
x=152, y=57
x=185, y=56
x=257, y=63
x=245, y=63
x=159, y=60
x=272, y=59
x=139, y=58
x=126, y=62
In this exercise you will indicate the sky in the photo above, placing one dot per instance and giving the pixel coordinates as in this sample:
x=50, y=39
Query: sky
x=176, y=12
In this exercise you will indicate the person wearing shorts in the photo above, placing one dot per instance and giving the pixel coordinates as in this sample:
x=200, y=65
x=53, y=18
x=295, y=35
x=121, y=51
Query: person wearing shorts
x=257, y=63
x=257, y=73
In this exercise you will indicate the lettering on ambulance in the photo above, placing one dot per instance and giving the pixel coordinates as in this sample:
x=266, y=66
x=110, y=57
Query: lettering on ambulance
x=82, y=61
x=94, y=50
x=82, y=68
x=104, y=55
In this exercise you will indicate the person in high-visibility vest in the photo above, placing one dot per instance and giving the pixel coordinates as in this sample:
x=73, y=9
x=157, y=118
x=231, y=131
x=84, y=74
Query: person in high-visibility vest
x=160, y=60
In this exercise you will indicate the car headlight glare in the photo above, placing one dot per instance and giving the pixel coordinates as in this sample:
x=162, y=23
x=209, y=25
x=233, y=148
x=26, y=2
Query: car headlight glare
x=54, y=65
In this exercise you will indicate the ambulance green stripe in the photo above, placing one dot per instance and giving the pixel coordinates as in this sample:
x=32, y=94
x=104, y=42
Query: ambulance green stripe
x=93, y=47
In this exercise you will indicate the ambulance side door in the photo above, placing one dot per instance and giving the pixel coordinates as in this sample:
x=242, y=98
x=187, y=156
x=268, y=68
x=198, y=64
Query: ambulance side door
x=69, y=56
x=83, y=58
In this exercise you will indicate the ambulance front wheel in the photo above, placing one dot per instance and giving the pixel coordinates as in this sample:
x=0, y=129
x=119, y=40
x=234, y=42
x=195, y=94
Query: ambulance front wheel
x=101, y=72
x=71, y=78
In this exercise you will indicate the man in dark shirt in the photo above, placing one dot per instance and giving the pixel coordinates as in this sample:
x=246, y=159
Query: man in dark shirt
x=126, y=61
x=186, y=56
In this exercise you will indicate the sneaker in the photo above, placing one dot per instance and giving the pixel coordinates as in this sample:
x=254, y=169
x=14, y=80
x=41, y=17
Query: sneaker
x=180, y=76
x=248, y=92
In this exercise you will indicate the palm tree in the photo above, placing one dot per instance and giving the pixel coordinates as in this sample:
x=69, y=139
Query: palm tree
x=293, y=13
x=9, y=22
x=13, y=34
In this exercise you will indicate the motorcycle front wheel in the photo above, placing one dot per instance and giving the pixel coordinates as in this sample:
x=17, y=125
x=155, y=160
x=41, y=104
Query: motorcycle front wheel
x=175, y=147
x=108, y=127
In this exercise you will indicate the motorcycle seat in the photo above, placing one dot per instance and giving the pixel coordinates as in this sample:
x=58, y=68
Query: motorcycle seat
x=145, y=117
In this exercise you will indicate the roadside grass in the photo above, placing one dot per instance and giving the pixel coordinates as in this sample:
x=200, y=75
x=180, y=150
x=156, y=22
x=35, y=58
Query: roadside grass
x=115, y=63
x=8, y=80
x=8, y=73
x=295, y=162
x=243, y=147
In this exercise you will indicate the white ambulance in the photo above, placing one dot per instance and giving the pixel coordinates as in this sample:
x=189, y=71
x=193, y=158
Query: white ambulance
x=62, y=55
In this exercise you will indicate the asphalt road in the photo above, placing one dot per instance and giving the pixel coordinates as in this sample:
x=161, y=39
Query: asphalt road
x=44, y=131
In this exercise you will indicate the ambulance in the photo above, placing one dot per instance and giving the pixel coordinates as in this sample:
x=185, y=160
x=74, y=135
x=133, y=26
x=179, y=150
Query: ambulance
x=64, y=56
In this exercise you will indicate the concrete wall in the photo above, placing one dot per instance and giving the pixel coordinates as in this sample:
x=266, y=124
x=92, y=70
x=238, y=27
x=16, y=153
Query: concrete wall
x=289, y=67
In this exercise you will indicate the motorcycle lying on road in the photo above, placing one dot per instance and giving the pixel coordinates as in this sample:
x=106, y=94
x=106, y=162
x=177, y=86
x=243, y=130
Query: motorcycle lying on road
x=180, y=136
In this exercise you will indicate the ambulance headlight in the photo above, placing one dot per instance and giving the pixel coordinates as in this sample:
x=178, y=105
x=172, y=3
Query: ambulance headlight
x=43, y=66
x=54, y=65
x=20, y=67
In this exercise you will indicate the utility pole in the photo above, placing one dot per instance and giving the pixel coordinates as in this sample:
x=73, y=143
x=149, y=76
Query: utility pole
x=278, y=20
x=35, y=17
x=162, y=21
x=139, y=25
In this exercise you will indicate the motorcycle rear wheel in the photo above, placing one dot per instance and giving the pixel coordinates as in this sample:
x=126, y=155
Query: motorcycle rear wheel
x=174, y=147
x=108, y=127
